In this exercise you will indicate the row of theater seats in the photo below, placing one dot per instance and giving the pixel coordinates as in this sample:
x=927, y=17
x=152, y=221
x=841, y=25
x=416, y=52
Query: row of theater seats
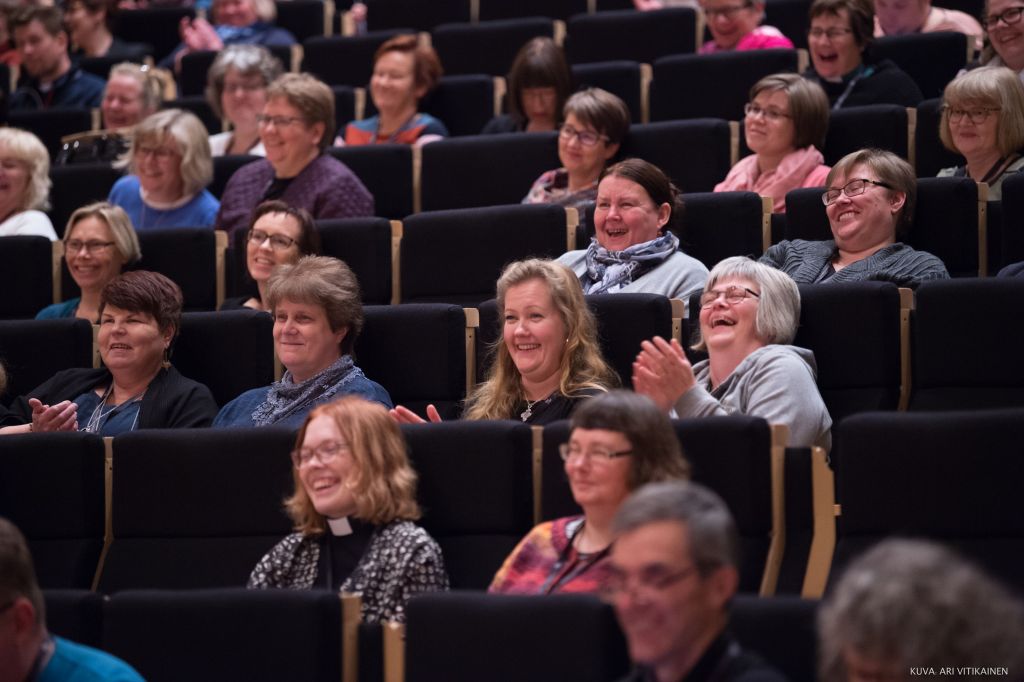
x=456, y=637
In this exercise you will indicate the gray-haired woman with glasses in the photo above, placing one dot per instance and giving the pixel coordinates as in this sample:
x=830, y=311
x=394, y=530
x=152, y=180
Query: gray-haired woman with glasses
x=278, y=235
x=869, y=202
x=748, y=319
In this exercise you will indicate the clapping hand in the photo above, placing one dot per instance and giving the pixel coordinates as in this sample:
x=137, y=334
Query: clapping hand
x=662, y=372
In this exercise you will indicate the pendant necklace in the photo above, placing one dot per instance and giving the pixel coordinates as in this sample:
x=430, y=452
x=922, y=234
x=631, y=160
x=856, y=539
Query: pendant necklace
x=528, y=412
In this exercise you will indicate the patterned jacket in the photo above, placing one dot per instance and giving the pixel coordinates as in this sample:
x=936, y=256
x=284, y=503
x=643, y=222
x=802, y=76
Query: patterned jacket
x=401, y=561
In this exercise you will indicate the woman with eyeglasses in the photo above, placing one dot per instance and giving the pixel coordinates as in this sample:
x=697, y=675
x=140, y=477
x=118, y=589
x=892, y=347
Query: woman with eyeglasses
x=279, y=235
x=869, y=202
x=354, y=510
x=236, y=90
x=1004, y=35
x=983, y=120
x=785, y=124
x=595, y=121
x=618, y=442
x=170, y=167
x=748, y=317
x=841, y=33
x=98, y=242
x=736, y=25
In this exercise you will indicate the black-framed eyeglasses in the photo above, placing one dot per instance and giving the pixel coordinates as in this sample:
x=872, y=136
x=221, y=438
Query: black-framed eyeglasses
x=977, y=116
x=646, y=583
x=326, y=452
x=586, y=138
x=734, y=295
x=278, y=242
x=91, y=246
x=727, y=12
x=1008, y=17
x=853, y=188
x=832, y=33
x=567, y=451
x=751, y=109
x=277, y=121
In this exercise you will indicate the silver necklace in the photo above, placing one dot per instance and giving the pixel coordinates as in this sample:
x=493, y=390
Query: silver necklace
x=528, y=412
x=99, y=417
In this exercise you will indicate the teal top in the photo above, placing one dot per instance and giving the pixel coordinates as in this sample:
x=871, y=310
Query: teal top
x=78, y=663
x=59, y=310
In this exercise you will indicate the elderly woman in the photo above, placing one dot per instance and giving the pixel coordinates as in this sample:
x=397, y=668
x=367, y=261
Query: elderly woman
x=88, y=24
x=296, y=126
x=633, y=251
x=136, y=387
x=354, y=509
x=618, y=442
x=404, y=71
x=910, y=604
x=539, y=83
x=170, y=167
x=749, y=314
x=737, y=26
x=1005, y=44
x=279, y=235
x=595, y=123
x=98, y=242
x=24, y=185
x=236, y=90
x=235, y=22
x=869, y=201
x=785, y=124
x=840, y=33
x=317, y=318
x=983, y=120
x=548, y=360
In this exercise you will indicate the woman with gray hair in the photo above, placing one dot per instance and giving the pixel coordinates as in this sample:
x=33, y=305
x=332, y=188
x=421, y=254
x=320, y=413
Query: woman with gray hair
x=748, y=317
x=170, y=167
x=317, y=315
x=912, y=604
x=24, y=185
x=237, y=91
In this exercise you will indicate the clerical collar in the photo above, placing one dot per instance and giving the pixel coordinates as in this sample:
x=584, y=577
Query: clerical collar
x=340, y=526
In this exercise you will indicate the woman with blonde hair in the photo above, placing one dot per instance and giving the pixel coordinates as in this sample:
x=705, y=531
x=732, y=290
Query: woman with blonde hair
x=170, y=167
x=548, y=359
x=354, y=508
x=24, y=185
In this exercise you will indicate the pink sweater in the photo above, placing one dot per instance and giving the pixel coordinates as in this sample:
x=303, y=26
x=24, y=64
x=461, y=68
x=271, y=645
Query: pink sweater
x=800, y=168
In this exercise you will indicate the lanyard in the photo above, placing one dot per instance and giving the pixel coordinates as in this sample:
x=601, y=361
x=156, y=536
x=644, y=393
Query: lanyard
x=864, y=73
x=571, y=564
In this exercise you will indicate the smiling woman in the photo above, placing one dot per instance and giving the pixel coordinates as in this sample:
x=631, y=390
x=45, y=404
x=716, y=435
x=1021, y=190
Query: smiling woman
x=736, y=25
x=317, y=318
x=24, y=185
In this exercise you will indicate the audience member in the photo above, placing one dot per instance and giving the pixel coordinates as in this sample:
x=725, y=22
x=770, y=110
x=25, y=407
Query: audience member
x=98, y=242
x=136, y=387
x=674, y=570
x=908, y=605
x=903, y=17
x=88, y=23
x=737, y=26
x=549, y=359
x=648, y=5
x=279, y=235
x=1005, y=33
x=869, y=201
x=404, y=71
x=318, y=315
x=633, y=250
x=49, y=78
x=27, y=650
x=24, y=185
x=236, y=90
x=8, y=52
x=748, y=317
x=841, y=33
x=170, y=167
x=235, y=22
x=539, y=83
x=983, y=121
x=354, y=509
x=785, y=125
x=618, y=442
x=296, y=126
x=595, y=121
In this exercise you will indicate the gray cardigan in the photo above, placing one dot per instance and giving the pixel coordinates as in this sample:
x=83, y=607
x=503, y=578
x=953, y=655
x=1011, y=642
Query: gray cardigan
x=775, y=382
x=807, y=262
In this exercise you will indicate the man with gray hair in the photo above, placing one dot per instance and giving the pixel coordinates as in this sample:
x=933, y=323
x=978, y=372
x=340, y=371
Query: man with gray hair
x=28, y=653
x=673, y=573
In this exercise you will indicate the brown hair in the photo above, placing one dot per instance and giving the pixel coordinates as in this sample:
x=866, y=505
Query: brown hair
x=17, y=575
x=861, y=13
x=992, y=86
x=426, y=67
x=309, y=239
x=653, y=180
x=51, y=18
x=312, y=97
x=142, y=291
x=383, y=483
x=890, y=169
x=540, y=63
x=808, y=106
x=600, y=109
x=116, y=220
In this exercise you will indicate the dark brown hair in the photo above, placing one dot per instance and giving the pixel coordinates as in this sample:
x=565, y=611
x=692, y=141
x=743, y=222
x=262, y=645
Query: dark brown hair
x=142, y=291
x=653, y=180
x=540, y=63
x=426, y=66
x=51, y=18
x=309, y=239
x=861, y=13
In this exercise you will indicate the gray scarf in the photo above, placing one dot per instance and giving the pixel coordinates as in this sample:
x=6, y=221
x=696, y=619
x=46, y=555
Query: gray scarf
x=609, y=271
x=286, y=397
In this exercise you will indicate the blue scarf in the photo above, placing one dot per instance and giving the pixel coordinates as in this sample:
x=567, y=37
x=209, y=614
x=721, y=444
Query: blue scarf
x=610, y=271
x=286, y=397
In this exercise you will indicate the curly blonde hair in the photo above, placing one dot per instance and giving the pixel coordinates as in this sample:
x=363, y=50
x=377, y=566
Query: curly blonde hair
x=583, y=365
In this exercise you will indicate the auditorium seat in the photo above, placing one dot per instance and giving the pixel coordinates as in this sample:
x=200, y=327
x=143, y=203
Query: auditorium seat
x=805, y=215
x=627, y=80
x=389, y=14
x=344, y=60
x=346, y=102
x=457, y=256
x=717, y=225
x=198, y=105
x=100, y=66
x=195, y=65
x=950, y=222
x=51, y=487
x=632, y=35
x=541, y=639
x=75, y=614
x=387, y=172
x=159, y=25
x=962, y=332
x=463, y=103
x=224, y=167
x=487, y=47
x=931, y=59
x=192, y=257
x=1012, y=237
x=696, y=154
x=475, y=488
x=32, y=351
x=365, y=246
x=781, y=630
x=75, y=186
x=305, y=18
x=26, y=276
x=418, y=352
x=929, y=155
x=50, y=125
x=556, y=9
x=195, y=508
x=790, y=17
x=883, y=126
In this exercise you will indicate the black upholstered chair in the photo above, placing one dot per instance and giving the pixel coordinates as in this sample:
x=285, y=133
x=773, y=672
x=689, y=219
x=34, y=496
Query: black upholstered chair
x=26, y=276
x=790, y=17
x=476, y=490
x=389, y=14
x=189, y=257
x=77, y=185
x=160, y=26
x=696, y=154
x=344, y=106
x=628, y=34
x=224, y=167
x=622, y=78
x=50, y=125
x=365, y=245
x=487, y=47
x=51, y=487
x=303, y=18
x=32, y=351
x=180, y=517
x=781, y=630
x=132, y=52
x=805, y=215
x=75, y=614
x=1012, y=208
x=463, y=103
x=556, y=9
x=931, y=59
x=387, y=171
x=717, y=225
x=195, y=66
x=198, y=105
x=344, y=60
x=929, y=155
x=883, y=126
x=947, y=223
